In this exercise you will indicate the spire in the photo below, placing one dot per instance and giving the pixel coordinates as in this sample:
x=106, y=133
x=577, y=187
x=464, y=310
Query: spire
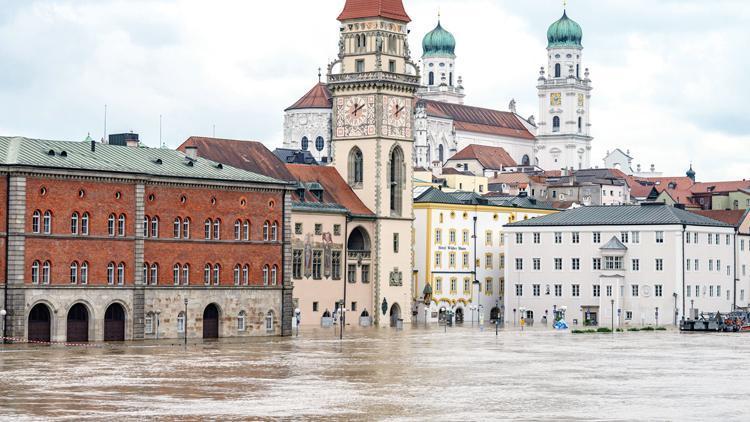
x=319, y=75
x=691, y=173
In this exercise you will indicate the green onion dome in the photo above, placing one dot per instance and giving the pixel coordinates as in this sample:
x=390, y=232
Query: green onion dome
x=565, y=33
x=439, y=42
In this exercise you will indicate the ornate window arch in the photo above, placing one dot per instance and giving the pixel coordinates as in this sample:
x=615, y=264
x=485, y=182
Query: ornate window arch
x=356, y=167
x=431, y=78
x=558, y=70
x=556, y=124
x=396, y=172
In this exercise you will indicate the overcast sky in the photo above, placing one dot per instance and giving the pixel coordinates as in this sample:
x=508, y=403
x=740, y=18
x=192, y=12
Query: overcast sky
x=669, y=77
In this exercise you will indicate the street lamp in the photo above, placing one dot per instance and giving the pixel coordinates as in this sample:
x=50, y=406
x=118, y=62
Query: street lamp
x=3, y=312
x=297, y=316
x=656, y=316
x=158, y=313
x=342, y=311
x=472, y=308
x=612, y=302
x=186, y=322
x=692, y=302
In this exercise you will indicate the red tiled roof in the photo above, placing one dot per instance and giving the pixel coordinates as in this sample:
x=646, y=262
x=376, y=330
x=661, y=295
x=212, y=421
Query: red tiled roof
x=318, y=97
x=391, y=9
x=733, y=217
x=481, y=120
x=335, y=188
x=247, y=155
x=713, y=187
x=493, y=158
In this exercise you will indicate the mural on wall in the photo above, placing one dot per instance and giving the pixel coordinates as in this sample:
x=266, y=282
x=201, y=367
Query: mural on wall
x=308, y=256
x=327, y=264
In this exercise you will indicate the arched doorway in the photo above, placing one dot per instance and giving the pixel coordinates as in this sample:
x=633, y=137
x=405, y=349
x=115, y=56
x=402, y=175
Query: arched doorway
x=395, y=314
x=494, y=314
x=114, y=323
x=211, y=321
x=459, y=315
x=39, y=323
x=78, y=324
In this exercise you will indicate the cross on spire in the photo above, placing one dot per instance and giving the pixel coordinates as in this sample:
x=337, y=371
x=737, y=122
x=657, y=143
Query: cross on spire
x=319, y=75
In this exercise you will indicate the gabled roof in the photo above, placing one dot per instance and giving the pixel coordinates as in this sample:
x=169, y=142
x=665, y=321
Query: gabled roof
x=492, y=158
x=18, y=151
x=337, y=195
x=731, y=217
x=450, y=170
x=391, y=9
x=622, y=215
x=716, y=187
x=433, y=195
x=247, y=155
x=480, y=120
x=317, y=97
x=436, y=196
x=614, y=244
x=295, y=156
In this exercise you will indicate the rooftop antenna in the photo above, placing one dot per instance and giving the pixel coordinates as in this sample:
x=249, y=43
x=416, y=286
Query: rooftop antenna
x=161, y=142
x=105, y=122
x=319, y=75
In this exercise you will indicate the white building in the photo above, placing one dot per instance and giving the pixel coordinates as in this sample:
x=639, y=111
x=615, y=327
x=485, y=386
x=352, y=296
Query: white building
x=459, y=254
x=627, y=265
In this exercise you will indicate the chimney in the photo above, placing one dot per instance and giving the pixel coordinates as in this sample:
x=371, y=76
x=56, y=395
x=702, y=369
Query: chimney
x=132, y=143
x=191, y=152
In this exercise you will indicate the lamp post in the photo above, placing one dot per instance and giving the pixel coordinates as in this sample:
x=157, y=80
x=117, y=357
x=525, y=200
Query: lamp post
x=297, y=316
x=186, y=322
x=520, y=317
x=341, y=316
x=692, y=302
x=472, y=308
x=479, y=291
x=158, y=313
x=612, y=302
x=3, y=313
x=675, y=308
x=656, y=316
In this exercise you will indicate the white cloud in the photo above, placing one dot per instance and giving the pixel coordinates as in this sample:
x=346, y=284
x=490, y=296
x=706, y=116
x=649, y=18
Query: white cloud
x=668, y=75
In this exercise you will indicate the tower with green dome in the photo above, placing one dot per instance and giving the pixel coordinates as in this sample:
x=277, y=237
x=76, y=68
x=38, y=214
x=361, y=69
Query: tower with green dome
x=564, y=125
x=439, y=78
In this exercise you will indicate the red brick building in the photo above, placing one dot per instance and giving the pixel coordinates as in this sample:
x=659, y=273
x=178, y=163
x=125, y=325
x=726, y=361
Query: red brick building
x=107, y=242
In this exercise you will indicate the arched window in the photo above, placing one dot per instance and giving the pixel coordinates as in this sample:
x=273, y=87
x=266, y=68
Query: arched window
x=111, y=273
x=305, y=144
x=207, y=274
x=181, y=322
x=207, y=228
x=359, y=240
x=450, y=79
x=246, y=229
x=74, y=223
x=525, y=160
x=121, y=225
x=146, y=222
x=320, y=143
x=265, y=275
x=237, y=271
x=359, y=42
x=356, y=166
x=111, y=225
x=217, y=273
x=578, y=71
x=557, y=70
x=145, y=272
x=580, y=124
x=154, y=274
x=556, y=124
x=74, y=273
x=266, y=228
x=217, y=229
x=269, y=322
x=186, y=228
x=85, y=224
x=121, y=273
x=245, y=275
x=241, y=319
x=177, y=227
x=274, y=272
x=85, y=273
x=274, y=231
x=176, y=274
x=186, y=275
x=431, y=78
x=46, y=270
x=36, y=219
x=237, y=230
x=47, y=222
x=396, y=171
x=35, y=272
x=154, y=226
x=441, y=153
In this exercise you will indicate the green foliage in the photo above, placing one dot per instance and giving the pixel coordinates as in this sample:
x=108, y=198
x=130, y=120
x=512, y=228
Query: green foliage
x=649, y=328
x=619, y=330
x=661, y=328
x=603, y=330
x=577, y=331
x=634, y=329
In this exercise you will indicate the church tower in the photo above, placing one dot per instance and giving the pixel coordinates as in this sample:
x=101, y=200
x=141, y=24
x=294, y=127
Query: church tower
x=373, y=85
x=439, y=78
x=564, y=127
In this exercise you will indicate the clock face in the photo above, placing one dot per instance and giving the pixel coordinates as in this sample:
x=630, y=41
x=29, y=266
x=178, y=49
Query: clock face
x=397, y=117
x=355, y=116
x=555, y=99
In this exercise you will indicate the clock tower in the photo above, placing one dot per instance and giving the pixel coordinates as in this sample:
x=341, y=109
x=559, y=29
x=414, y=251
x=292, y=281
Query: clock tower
x=373, y=84
x=564, y=127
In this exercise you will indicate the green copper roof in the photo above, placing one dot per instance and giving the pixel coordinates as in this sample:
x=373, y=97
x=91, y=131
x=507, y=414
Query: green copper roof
x=439, y=42
x=565, y=32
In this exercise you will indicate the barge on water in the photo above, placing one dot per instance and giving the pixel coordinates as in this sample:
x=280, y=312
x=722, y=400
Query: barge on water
x=730, y=322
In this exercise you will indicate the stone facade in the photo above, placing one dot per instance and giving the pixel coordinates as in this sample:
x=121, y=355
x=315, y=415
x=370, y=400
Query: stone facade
x=314, y=125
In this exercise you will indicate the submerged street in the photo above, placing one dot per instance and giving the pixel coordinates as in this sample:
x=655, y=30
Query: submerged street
x=415, y=374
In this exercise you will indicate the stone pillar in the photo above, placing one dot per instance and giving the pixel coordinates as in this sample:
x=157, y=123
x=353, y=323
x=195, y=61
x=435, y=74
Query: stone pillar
x=16, y=295
x=139, y=290
x=287, y=301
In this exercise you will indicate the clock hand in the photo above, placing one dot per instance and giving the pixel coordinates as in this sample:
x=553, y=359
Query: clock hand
x=398, y=110
x=356, y=109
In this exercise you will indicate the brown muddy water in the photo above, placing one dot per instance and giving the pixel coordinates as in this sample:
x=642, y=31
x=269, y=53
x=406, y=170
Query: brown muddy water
x=382, y=374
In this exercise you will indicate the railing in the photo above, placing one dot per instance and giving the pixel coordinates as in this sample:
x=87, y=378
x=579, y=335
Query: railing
x=373, y=76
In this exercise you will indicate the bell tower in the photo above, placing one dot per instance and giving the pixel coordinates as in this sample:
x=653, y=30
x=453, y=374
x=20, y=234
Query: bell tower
x=373, y=84
x=564, y=127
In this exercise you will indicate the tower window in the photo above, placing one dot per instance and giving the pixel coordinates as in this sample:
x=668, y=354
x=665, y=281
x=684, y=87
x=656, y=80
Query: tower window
x=580, y=124
x=360, y=65
x=450, y=79
x=396, y=172
x=431, y=79
x=557, y=70
x=319, y=143
x=525, y=161
x=355, y=167
x=305, y=144
x=392, y=66
x=556, y=124
x=578, y=71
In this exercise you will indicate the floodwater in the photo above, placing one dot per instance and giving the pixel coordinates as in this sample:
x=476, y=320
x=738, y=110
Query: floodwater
x=415, y=374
